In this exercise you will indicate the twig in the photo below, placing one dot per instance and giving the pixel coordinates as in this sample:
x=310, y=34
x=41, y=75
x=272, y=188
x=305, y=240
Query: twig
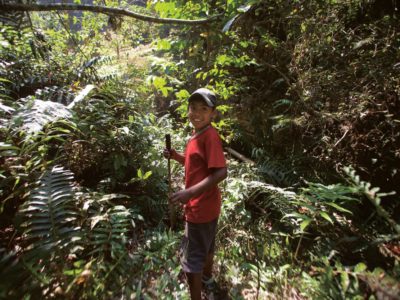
x=298, y=246
x=344, y=135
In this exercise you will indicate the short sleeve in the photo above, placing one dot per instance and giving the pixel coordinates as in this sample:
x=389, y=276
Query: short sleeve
x=213, y=151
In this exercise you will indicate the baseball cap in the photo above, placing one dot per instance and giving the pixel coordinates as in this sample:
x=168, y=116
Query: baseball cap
x=208, y=96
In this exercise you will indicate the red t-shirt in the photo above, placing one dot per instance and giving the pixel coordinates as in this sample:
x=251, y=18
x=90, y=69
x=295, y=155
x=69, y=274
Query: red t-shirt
x=203, y=152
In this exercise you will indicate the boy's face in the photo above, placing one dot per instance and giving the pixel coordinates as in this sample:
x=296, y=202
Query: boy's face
x=200, y=114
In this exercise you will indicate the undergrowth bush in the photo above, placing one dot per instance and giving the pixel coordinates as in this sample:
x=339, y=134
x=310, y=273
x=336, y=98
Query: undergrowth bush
x=276, y=243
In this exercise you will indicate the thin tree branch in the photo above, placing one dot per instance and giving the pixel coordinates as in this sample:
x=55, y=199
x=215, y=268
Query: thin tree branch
x=239, y=156
x=7, y=7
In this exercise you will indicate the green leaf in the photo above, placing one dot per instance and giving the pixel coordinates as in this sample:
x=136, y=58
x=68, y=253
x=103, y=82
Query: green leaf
x=147, y=175
x=163, y=45
x=165, y=91
x=182, y=95
x=304, y=224
x=159, y=82
x=360, y=267
x=339, y=208
x=297, y=215
x=345, y=281
x=326, y=216
x=228, y=24
x=244, y=8
x=4, y=146
x=223, y=60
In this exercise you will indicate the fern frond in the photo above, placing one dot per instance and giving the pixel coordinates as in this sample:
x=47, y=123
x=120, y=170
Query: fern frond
x=82, y=95
x=277, y=173
x=109, y=76
x=88, y=68
x=282, y=103
x=98, y=61
x=371, y=193
x=270, y=198
x=12, y=275
x=50, y=213
x=109, y=231
x=38, y=113
x=56, y=94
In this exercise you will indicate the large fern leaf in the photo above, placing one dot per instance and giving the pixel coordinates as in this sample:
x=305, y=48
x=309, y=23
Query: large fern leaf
x=109, y=231
x=38, y=113
x=277, y=173
x=50, y=213
x=12, y=274
x=56, y=94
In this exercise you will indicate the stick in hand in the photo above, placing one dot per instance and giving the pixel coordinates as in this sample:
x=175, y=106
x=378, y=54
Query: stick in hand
x=170, y=206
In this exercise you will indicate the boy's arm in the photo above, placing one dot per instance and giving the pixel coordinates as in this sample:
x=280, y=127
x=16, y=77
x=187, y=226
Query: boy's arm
x=178, y=157
x=216, y=176
x=174, y=155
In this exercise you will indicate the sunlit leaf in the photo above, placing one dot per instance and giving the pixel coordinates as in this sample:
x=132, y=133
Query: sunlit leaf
x=228, y=24
x=360, y=267
x=304, y=224
x=326, y=216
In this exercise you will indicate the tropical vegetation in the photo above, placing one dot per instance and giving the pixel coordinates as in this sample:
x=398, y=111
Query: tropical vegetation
x=309, y=113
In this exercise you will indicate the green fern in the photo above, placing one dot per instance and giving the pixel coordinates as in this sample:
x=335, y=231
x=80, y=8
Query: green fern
x=371, y=193
x=50, y=233
x=38, y=113
x=56, y=94
x=98, y=61
x=109, y=231
x=88, y=69
x=108, y=225
x=12, y=274
x=272, y=196
x=277, y=173
x=50, y=214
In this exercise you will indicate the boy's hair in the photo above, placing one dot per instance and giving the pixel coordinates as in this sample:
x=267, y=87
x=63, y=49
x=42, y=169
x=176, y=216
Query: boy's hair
x=205, y=95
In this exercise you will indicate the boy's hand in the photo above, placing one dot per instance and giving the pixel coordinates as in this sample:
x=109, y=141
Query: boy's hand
x=169, y=153
x=181, y=197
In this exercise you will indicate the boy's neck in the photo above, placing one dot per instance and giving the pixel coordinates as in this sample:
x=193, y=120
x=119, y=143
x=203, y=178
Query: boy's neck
x=201, y=129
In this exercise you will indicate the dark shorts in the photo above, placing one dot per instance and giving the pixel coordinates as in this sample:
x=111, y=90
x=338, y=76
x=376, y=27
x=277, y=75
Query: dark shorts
x=197, y=242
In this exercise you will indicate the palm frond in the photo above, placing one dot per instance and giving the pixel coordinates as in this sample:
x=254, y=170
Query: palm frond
x=109, y=231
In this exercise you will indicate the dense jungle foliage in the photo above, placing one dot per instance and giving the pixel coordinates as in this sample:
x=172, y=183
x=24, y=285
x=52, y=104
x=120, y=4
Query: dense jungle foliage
x=309, y=95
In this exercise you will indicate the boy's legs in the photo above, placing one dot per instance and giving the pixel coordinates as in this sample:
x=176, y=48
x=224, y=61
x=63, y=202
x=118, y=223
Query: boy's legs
x=194, y=281
x=207, y=270
x=197, y=254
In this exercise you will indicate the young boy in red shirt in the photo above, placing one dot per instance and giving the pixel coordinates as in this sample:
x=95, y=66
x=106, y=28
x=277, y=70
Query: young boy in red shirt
x=205, y=167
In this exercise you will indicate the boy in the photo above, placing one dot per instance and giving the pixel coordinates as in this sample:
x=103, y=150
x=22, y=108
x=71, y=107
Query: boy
x=205, y=167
